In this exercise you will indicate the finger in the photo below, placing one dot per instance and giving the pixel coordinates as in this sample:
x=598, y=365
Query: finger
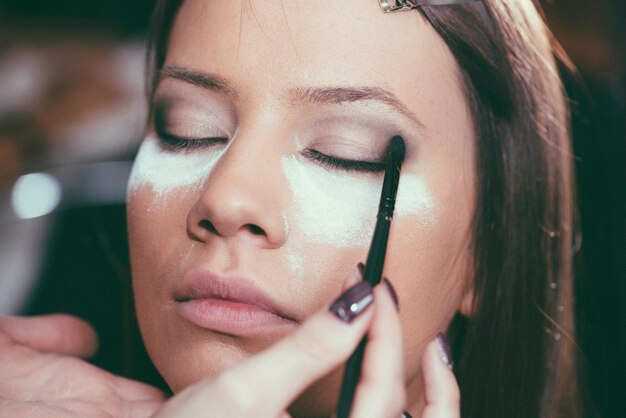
x=381, y=391
x=441, y=390
x=132, y=390
x=274, y=378
x=140, y=409
x=58, y=333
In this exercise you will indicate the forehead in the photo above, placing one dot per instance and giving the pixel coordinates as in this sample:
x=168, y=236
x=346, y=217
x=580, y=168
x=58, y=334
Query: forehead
x=264, y=47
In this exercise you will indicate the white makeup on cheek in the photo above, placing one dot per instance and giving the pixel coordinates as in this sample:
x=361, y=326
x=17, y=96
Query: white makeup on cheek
x=335, y=208
x=414, y=199
x=164, y=171
x=340, y=210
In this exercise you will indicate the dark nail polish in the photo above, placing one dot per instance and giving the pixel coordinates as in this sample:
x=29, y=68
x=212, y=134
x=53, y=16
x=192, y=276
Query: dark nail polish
x=353, y=302
x=361, y=268
x=444, y=350
x=392, y=291
x=405, y=414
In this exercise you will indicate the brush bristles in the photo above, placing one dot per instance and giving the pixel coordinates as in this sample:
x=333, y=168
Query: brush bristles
x=397, y=149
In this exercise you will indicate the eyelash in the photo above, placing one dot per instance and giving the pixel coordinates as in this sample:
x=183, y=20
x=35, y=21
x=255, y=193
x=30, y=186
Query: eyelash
x=176, y=143
x=343, y=164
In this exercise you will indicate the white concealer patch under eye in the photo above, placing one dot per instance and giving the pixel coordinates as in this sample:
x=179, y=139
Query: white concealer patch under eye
x=333, y=208
x=340, y=210
x=165, y=171
x=414, y=198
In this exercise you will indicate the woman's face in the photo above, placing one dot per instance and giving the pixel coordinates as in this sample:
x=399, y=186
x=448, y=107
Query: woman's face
x=246, y=207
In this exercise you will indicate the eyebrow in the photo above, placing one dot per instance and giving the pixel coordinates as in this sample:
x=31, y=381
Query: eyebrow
x=298, y=95
x=206, y=81
x=339, y=95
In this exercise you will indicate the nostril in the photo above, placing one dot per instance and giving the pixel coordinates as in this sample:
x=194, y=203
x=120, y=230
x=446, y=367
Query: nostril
x=256, y=230
x=208, y=226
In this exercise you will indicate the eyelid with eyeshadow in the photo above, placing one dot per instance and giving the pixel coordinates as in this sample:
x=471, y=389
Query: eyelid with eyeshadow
x=183, y=118
x=177, y=144
x=187, y=134
x=326, y=152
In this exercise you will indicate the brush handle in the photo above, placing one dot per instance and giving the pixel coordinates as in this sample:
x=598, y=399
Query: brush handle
x=374, y=265
x=376, y=256
x=372, y=274
x=351, y=378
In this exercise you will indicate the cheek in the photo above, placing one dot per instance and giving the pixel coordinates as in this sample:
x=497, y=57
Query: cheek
x=161, y=190
x=151, y=217
x=154, y=262
x=333, y=213
x=414, y=199
x=332, y=209
x=428, y=260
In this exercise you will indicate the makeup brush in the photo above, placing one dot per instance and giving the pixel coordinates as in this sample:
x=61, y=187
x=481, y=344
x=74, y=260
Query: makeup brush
x=375, y=263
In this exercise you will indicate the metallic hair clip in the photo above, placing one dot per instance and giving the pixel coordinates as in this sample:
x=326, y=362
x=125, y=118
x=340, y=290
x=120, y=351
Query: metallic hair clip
x=389, y=6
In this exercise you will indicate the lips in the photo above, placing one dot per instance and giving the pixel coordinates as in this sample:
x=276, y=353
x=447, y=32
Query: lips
x=230, y=306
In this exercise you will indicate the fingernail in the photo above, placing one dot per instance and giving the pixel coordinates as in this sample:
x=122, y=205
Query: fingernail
x=405, y=414
x=392, y=292
x=353, y=302
x=444, y=350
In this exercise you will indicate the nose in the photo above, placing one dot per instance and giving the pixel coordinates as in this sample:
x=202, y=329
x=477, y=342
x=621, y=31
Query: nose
x=241, y=198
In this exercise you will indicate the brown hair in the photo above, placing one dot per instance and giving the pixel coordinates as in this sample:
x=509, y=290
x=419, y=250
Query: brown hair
x=515, y=354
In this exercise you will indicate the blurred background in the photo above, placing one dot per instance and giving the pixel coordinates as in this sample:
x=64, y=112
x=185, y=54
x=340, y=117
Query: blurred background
x=72, y=112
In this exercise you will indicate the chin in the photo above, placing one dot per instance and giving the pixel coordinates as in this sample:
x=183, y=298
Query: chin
x=185, y=369
x=191, y=361
x=200, y=355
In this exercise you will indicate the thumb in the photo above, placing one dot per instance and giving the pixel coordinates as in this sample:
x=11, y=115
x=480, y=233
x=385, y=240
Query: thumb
x=57, y=333
x=440, y=387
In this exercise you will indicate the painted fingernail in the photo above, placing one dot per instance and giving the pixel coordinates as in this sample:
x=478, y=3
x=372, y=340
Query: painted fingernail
x=353, y=302
x=392, y=292
x=444, y=350
x=405, y=414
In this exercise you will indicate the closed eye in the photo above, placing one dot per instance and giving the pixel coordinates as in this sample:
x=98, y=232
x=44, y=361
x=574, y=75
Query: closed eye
x=344, y=164
x=176, y=143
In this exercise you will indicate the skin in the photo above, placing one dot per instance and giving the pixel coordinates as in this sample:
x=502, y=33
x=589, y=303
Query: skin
x=44, y=374
x=264, y=53
x=46, y=377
